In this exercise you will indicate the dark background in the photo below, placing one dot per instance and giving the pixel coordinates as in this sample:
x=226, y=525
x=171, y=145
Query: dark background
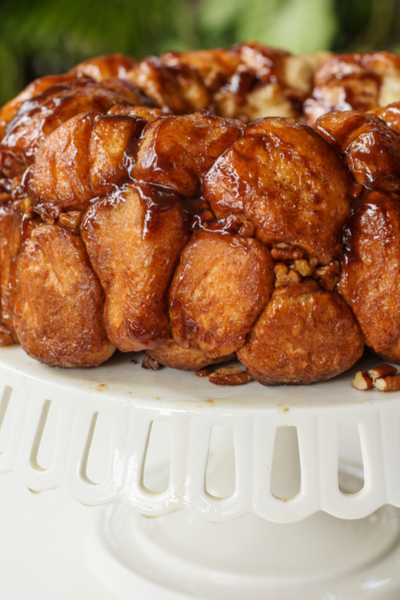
x=39, y=37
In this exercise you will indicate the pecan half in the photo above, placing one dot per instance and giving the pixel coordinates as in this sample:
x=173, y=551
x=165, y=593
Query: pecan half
x=362, y=381
x=230, y=376
x=382, y=371
x=287, y=252
x=388, y=384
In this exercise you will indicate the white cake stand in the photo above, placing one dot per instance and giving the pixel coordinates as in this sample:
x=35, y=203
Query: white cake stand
x=272, y=468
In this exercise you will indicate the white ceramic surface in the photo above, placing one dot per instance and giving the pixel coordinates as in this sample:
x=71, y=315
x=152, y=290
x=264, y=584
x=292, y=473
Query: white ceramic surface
x=161, y=441
x=65, y=406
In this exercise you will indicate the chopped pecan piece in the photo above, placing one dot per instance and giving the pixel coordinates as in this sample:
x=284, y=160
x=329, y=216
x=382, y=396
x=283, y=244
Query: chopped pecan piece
x=230, y=376
x=328, y=275
x=382, y=371
x=333, y=267
x=281, y=270
x=285, y=276
x=302, y=266
x=388, y=384
x=70, y=220
x=203, y=372
x=150, y=363
x=362, y=381
x=287, y=252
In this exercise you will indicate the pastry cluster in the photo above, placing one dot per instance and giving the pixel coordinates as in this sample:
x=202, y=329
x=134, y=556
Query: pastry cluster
x=203, y=205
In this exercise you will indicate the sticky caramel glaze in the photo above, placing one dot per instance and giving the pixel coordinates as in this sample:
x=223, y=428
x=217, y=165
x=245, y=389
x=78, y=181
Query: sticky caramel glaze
x=148, y=114
x=215, y=66
x=15, y=228
x=134, y=237
x=304, y=335
x=218, y=290
x=285, y=179
x=37, y=118
x=105, y=67
x=59, y=301
x=368, y=145
x=370, y=277
x=129, y=91
x=175, y=356
x=177, y=89
x=10, y=109
x=390, y=114
x=358, y=81
x=85, y=157
x=267, y=62
x=176, y=151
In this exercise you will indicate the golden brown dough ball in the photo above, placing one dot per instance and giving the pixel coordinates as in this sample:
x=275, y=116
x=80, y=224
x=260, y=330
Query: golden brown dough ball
x=369, y=146
x=284, y=178
x=10, y=109
x=219, y=288
x=175, y=356
x=370, y=278
x=354, y=82
x=257, y=88
x=177, y=89
x=15, y=228
x=304, y=335
x=215, y=66
x=84, y=158
x=176, y=151
x=144, y=112
x=134, y=237
x=129, y=91
x=59, y=301
x=37, y=118
x=105, y=67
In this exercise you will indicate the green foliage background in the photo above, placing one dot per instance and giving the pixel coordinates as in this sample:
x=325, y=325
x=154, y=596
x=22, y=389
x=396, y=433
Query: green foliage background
x=38, y=37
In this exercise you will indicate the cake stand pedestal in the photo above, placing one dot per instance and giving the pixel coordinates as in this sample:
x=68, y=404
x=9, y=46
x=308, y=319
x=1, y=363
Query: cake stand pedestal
x=252, y=468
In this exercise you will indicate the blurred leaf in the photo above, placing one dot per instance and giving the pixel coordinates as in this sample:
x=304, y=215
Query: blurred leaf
x=11, y=80
x=299, y=26
x=45, y=36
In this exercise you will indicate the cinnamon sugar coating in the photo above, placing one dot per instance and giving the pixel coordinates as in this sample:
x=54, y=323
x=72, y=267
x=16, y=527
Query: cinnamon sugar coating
x=219, y=288
x=303, y=335
x=173, y=355
x=59, y=301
